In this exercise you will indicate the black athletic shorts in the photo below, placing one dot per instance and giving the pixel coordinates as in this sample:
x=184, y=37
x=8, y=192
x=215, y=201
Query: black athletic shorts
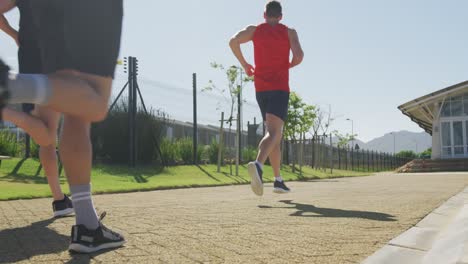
x=273, y=102
x=82, y=35
x=29, y=61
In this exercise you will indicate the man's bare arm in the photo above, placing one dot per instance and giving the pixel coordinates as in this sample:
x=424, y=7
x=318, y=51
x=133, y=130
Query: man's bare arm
x=239, y=38
x=298, y=53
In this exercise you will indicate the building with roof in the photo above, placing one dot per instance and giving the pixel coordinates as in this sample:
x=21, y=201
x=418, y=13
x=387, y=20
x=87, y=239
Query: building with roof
x=444, y=115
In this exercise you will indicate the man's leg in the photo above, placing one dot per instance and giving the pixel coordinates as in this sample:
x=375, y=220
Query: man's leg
x=34, y=126
x=65, y=91
x=88, y=235
x=62, y=205
x=275, y=160
x=75, y=153
x=47, y=152
x=272, y=138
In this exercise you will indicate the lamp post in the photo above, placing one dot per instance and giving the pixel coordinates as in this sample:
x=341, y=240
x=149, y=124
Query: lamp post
x=416, y=143
x=352, y=130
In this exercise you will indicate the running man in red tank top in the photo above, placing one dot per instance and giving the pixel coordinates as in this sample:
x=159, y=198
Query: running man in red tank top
x=273, y=42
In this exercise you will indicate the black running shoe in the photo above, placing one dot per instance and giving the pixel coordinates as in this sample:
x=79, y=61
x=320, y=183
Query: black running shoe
x=84, y=240
x=4, y=94
x=256, y=178
x=280, y=187
x=63, y=207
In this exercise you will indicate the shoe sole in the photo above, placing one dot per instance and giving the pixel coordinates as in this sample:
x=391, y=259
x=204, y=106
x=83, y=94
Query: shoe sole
x=255, y=181
x=281, y=191
x=77, y=248
x=63, y=213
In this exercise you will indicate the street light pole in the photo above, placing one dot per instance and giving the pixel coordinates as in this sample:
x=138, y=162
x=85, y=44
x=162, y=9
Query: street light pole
x=416, y=143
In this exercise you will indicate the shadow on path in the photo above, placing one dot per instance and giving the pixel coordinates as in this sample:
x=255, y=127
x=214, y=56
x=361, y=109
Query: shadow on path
x=23, y=243
x=307, y=210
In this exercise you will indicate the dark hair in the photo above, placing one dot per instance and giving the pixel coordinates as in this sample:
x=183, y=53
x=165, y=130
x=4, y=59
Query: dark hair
x=273, y=9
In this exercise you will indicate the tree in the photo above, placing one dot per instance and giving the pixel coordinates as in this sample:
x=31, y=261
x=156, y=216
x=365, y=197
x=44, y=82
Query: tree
x=344, y=140
x=301, y=118
x=236, y=82
x=322, y=122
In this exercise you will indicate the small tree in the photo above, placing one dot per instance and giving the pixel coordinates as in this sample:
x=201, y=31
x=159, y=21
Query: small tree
x=322, y=122
x=236, y=82
x=301, y=118
x=344, y=140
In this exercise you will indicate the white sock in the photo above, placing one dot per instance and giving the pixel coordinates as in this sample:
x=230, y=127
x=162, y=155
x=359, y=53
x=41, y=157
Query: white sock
x=259, y=164
x=84, y=208
x=29, y=88
x=278, y=178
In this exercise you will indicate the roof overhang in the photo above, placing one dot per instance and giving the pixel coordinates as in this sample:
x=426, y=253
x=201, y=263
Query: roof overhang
x=421, y=110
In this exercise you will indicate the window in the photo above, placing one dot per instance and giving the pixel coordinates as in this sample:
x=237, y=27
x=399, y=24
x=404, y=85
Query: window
x=466, y=136
x=446, y=109
x=446, y=134
x=455, y=106
x=458, y=138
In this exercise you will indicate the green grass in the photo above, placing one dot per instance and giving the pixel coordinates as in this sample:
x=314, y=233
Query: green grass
x=21, y=179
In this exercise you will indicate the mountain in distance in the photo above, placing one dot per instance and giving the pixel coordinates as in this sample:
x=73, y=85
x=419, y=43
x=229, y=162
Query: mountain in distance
x=404, y=140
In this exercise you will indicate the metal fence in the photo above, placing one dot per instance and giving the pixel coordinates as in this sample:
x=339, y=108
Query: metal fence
x=320, y=154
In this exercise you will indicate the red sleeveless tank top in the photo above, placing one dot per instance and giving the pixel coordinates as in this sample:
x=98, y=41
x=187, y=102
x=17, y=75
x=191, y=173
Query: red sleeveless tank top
x=271, y=51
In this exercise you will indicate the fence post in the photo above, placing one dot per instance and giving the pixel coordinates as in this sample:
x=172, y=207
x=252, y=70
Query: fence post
x=346, y=157
x=339, y=158
x=221, y=142
x=301, y=153
x=131, y=121
x=331, y=154
x=195, y=126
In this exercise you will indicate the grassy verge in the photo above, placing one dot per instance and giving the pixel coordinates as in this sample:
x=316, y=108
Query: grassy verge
x=22, y=180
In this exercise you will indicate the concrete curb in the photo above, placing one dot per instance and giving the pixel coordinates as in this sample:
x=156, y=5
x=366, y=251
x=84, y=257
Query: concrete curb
x=441, y=237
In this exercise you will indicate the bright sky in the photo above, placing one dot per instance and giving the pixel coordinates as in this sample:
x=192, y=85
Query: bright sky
x=362, y=57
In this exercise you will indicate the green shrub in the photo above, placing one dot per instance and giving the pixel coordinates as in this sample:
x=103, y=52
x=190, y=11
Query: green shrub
x=426, y=154
x=110, y=138
x=212, y=152
x=34, y=151
x=169, y=151
x=249, y=154
x=8, y=144
x=184, y=148
x=200, y=152
x=409, y=154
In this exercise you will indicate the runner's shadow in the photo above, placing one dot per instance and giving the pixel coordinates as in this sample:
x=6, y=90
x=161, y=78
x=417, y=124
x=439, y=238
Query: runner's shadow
x=22, y=243
x=85, y=258
x=307, y=210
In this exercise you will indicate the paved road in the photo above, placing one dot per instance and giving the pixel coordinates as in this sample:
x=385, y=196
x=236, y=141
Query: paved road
x=330, y=221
